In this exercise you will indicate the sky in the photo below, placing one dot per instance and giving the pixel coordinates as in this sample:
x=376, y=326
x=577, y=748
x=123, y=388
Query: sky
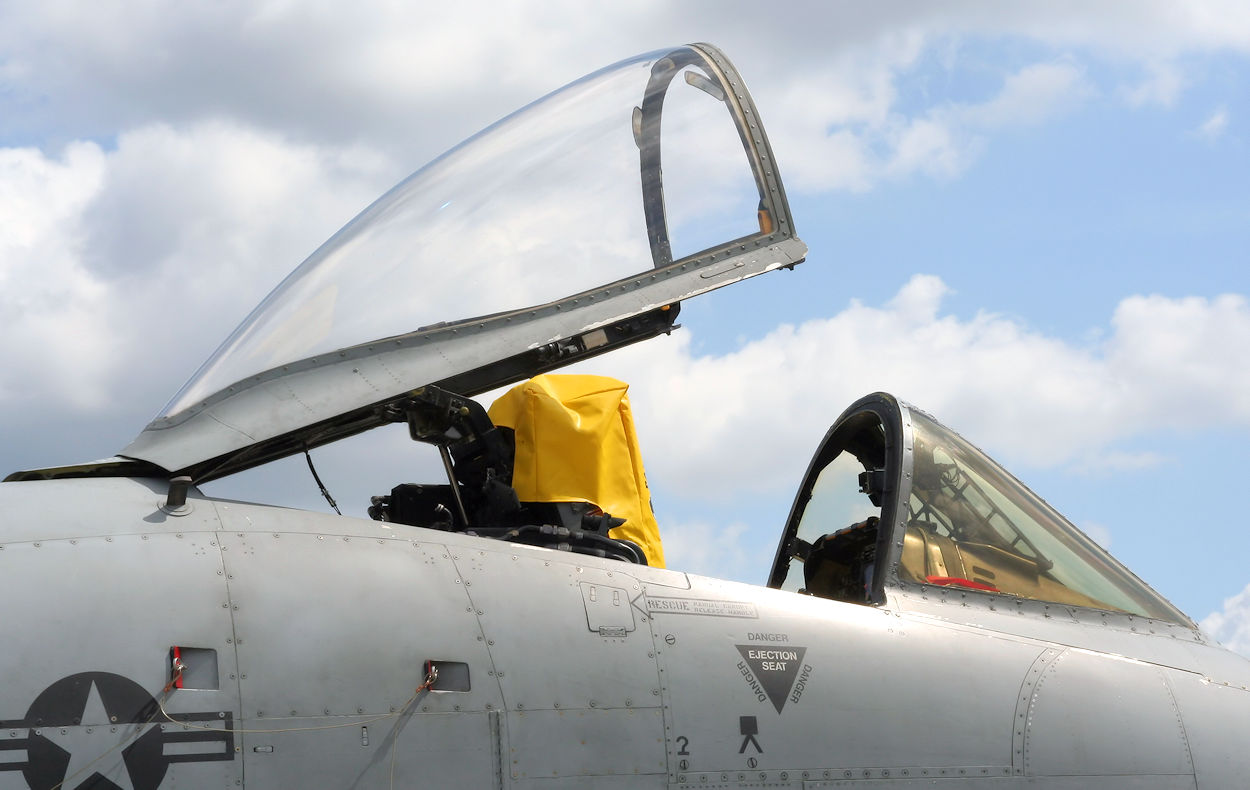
x=1030, y=219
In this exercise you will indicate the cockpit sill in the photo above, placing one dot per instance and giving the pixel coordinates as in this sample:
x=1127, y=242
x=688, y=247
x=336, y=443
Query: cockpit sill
x=947, y=604
x=1162, y=643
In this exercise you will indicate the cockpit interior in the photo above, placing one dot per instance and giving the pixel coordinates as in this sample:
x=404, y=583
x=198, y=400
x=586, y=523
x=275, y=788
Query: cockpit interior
x=895, y=500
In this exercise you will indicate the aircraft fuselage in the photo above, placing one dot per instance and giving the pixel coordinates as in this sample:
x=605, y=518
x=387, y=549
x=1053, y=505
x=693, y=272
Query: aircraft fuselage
x=304, y=637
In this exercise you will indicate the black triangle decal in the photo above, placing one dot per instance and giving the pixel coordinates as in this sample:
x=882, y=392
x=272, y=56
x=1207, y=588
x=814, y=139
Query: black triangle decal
x=775, y=669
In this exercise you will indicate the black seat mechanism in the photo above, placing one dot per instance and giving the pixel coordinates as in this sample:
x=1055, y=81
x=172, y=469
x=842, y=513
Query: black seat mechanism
x=478, y=498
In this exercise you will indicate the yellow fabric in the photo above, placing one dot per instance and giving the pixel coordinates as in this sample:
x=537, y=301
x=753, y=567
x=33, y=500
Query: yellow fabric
x=575, y=442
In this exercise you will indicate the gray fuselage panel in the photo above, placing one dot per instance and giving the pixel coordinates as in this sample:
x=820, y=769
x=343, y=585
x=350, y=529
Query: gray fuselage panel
x=561, y=670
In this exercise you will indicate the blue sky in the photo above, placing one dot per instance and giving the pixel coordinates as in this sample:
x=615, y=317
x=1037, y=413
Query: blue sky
x=1030, y=219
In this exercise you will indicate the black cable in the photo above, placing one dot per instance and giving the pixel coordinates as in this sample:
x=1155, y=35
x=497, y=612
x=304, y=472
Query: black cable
x=320, y=484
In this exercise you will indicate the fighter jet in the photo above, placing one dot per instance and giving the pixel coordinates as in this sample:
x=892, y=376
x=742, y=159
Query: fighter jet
x=927, y=622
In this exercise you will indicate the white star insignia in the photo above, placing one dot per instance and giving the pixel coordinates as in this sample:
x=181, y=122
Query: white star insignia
x=82, y=761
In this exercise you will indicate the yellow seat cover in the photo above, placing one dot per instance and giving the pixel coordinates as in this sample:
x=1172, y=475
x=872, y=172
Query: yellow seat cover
x=575, y=442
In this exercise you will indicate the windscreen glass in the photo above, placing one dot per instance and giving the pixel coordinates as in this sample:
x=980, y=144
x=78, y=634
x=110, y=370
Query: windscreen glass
x=709, y=192
x=832, y=553
x=971, y=525
x=546, y=204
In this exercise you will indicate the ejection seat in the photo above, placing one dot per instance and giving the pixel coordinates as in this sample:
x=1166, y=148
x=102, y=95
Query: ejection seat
x=555, y=463
x=575, y=442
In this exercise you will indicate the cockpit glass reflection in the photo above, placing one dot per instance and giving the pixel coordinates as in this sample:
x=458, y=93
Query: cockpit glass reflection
x=833, y=553
x=971, y=525
x=709, y=190
x=549, y=203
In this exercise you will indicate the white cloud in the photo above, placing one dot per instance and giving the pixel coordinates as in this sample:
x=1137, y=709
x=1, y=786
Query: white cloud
x=1214, y=126
x=374, y=72
x=1031, y=96
x=1161, y=86
x=38, y=193
x=1231, y=625
x=710, y=550
x=929, y=146
x=1155, y=28
x=804, y=123
x=1099, y=532
x=1180, y=360
x=48, y=300
x=111, y=261
x=219, y=194
x=850, y=137
x=1105, y=461
x=318, y=71
x=1027, y=397
x=945, y=142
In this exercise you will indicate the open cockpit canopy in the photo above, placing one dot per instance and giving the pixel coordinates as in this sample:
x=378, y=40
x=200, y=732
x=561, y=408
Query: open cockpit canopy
x=574, y=226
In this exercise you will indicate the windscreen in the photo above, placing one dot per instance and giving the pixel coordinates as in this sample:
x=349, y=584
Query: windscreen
x=972, y=525
x=545, y=204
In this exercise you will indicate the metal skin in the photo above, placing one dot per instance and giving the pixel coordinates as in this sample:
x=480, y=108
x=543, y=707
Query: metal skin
x=159, y=638
x=582, y=672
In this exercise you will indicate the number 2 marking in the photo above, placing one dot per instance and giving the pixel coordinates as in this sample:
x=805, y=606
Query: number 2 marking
x=683, y=741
